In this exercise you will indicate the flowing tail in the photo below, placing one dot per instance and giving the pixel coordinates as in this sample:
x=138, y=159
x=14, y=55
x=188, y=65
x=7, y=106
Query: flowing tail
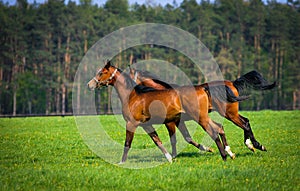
x=253, y=80
x=218, y=93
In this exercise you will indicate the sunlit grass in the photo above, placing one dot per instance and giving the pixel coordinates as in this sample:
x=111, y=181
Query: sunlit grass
x=48, y=153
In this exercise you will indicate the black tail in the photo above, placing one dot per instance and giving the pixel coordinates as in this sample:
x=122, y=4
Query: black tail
x=253, y=80
x=217, y=93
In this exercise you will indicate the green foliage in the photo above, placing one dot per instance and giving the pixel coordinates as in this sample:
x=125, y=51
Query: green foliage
x=47, y=42
x=49, y=154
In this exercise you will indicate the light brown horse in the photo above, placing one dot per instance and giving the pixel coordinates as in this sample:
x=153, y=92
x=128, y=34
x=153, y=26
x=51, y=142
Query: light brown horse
x=142, y=106
x=229, y=110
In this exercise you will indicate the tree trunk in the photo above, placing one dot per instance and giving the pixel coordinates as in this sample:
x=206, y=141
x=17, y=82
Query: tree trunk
x=221, y=38
x=1, y=79
x=48, y=101
x=276, y=95
x=48, y=88
x=296, y=99
x=257, y=51
x=14, y=84
x=85, y=49
x=14, y=101
x=63, y=99
x=57, y=93
x=227, y=38
x=66, y=74
x=78, y=94
x=58, y=71
x=280, y=93
x=109, y=91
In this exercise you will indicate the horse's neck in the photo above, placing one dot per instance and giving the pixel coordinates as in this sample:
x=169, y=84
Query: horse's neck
x=122, y=89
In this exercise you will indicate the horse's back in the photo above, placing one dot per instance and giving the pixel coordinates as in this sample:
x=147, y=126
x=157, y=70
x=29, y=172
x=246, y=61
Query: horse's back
x=228, y=83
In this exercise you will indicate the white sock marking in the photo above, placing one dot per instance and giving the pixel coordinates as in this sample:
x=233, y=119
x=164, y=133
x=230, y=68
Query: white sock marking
x=249, y=144
x=227, y=149
x=169, y=157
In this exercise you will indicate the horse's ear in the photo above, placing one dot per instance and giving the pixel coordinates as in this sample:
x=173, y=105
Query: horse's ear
x=107, y=64
x=131, y=70
x=134, y=60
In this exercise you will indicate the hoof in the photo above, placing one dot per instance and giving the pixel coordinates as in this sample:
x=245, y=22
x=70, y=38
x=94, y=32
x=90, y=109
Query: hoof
x=260, y=147
x=210, y=150
x=174, y=155
x=207, y=149
x=169, y=157
x=121, y=163
x=232, y=156
x=224, y=158
x=251, y=148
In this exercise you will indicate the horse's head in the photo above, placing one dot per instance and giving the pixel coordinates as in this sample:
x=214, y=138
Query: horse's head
x=135, y=75
x=104, y=77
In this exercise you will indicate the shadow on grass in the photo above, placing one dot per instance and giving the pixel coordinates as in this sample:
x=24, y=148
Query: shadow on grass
x=247, y=154
x=91, y=157
x=194, y=154
x=180, y=155
x=205, y=154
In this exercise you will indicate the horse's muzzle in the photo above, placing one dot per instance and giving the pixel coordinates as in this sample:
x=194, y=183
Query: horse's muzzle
x=91, y=86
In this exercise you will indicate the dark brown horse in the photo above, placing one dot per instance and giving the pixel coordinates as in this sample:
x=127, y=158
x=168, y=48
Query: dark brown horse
x=229, y=110
x=144, y=106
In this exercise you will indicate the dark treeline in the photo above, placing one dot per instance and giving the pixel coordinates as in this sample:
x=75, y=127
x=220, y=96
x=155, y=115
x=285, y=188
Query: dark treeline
x=42, y=45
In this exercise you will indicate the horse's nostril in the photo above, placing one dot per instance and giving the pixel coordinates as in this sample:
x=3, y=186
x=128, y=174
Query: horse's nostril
x=89, y=87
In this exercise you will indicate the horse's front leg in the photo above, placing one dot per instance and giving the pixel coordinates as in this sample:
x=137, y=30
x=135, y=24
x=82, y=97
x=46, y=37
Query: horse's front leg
x=172, y=130
x=249, y=138
x=221, y=132
x=248, y=131
x=154, y=136
x=213, y=132
x=130, y=130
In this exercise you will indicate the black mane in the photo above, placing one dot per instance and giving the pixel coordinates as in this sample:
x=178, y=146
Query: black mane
x=146, y=74
x=129, y=83
x=165, y=84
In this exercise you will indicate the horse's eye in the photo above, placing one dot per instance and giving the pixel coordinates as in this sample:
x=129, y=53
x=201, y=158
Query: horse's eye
x=101, y=72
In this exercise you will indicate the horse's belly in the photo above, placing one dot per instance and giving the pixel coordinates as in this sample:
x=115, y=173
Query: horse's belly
x=159, y=113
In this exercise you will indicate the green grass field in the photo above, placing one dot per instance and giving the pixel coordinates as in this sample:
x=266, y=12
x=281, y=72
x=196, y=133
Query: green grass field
x=48, y=153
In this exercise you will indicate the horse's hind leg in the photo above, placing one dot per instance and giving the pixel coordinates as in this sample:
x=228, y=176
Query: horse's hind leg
x=244, y=123
x=154, y=136
x=185, y=133
x=172, y=129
